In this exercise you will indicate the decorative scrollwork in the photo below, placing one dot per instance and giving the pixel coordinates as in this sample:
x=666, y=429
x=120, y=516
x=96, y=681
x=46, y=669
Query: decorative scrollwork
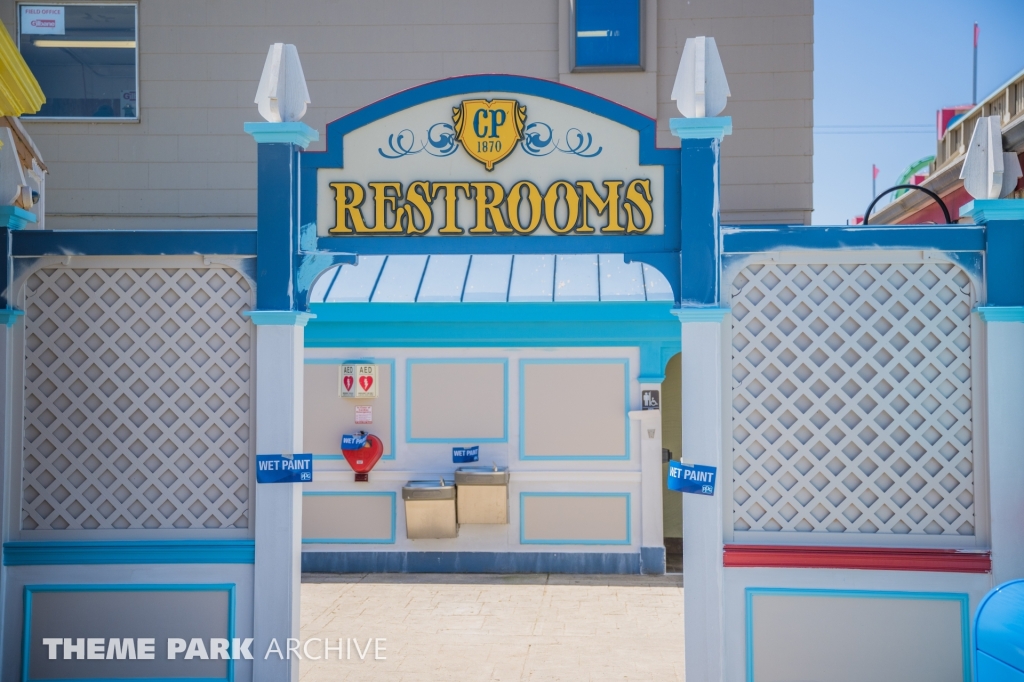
x=440, y=142
x=539, y=140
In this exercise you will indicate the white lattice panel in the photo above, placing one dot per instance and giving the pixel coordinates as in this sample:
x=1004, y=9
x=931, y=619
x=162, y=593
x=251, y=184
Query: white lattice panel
x=851, y=399
x=137, y=399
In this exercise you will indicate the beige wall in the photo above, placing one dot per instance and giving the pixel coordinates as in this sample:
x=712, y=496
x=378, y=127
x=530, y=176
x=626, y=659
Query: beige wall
x=188, y=163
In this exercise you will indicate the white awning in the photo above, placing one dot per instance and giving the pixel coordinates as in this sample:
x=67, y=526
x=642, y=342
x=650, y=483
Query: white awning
x=491, y=278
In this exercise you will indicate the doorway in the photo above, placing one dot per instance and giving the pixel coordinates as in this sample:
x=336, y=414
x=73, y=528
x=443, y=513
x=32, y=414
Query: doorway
x=672, y=446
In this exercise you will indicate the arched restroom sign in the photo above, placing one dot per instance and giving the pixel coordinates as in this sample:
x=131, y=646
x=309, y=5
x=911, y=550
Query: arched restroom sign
x=489, y=164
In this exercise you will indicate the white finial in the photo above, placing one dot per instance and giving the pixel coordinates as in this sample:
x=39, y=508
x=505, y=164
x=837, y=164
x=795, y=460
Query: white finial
x=282, y=94
x=701, y=88
x=988, y=171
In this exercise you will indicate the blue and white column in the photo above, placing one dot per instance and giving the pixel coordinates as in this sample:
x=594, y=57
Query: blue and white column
x=280, y=334
x=1003, y=316
x=701, y=316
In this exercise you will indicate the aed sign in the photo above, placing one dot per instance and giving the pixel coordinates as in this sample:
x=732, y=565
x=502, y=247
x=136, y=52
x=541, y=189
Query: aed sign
x=357, y=380
x=491, y=163
x=691, y=478
x=282, y=469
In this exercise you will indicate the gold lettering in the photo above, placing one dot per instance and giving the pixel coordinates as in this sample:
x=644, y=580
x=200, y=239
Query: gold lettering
x=515, y=195
x=492, y=207
x=418, y=196
x=572, y=202
x=451, y=225
x=381, y=200
x=348, y=207
x=639, y=194
x=610, y=204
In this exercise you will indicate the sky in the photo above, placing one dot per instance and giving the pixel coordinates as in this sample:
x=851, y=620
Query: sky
x=881, y=71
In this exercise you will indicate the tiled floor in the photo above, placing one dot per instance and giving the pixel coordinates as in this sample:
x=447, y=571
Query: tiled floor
x=495, y=627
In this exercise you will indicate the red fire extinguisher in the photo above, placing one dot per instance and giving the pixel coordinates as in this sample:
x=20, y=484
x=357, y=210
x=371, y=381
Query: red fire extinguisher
x=362, y=451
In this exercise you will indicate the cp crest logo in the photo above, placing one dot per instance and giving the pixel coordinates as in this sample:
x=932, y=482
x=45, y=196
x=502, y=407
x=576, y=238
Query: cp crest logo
x=489, y=129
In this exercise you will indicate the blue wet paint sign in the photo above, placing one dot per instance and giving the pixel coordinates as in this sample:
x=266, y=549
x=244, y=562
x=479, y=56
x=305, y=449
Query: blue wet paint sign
x=691, y=478
x=463, y=455
x=353, y=441
x=282, y=469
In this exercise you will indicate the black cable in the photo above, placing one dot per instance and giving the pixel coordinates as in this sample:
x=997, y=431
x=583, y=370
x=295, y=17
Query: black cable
x=933, y=195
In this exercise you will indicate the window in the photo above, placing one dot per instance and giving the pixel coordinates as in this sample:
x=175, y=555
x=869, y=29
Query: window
x=608, y=35
x=85, y=57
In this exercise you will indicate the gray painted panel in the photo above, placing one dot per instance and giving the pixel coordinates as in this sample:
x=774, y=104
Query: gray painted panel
x=158, y=614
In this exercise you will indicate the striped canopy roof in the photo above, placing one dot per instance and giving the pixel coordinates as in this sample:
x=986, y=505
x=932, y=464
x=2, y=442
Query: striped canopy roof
x=491, y=278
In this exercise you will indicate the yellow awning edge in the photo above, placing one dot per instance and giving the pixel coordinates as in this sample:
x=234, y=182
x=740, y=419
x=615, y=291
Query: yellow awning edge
x=19, y=91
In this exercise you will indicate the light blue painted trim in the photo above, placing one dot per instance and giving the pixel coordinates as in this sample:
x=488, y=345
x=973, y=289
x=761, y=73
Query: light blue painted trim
x=375, y=361
x=295, y=132
x=1001, y=313
x=60, y=553
x=281, y=317
x=356, y=541
x=570, y=361
x=452, y=361
x=653, y=379
x=15, y=218
x=9, y=316
x=569, y=541
x=701, y=314
x=964, y=599
x=986, y=210
x=28, y=590
x=701, y=128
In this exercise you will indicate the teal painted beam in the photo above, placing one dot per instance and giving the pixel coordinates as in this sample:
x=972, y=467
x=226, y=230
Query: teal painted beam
x=647, y=325
x=62, y=553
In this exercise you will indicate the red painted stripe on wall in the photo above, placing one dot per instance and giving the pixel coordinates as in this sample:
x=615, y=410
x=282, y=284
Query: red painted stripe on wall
x=865, y=558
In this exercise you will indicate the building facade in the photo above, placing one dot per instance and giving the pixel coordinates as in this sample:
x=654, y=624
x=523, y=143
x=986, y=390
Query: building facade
x=181, y=161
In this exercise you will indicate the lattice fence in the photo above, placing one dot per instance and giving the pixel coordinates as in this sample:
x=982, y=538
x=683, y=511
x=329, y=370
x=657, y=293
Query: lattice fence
x=137, y=399
x=851, y=399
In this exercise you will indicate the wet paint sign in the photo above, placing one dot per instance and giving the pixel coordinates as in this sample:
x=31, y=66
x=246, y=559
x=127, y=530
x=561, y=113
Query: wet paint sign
x=284, y=469
x=691, y=478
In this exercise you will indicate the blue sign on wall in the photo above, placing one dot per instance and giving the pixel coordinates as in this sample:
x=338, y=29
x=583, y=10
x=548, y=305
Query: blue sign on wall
x=463, y=455
x=281, y=469
x=691, y=478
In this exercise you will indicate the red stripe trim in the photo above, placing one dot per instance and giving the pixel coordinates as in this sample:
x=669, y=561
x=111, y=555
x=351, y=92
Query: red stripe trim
x=867, y=558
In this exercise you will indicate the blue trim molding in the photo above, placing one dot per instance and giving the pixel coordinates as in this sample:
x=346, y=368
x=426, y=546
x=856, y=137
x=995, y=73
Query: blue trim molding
x=22, y=553
x=963, y=599
x=288, y=132
x=572, y=361
x=708, y=314
x=622, y=563
x=455, y=439
x=9, y=316
x=15, y=218
x=987, y=210
x=29, y=590
x=279, y=317
x=1000, y=313
x=574, y=541
x=355, y=541
x=36, y=243
x=716, y=127
x=761, y=238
